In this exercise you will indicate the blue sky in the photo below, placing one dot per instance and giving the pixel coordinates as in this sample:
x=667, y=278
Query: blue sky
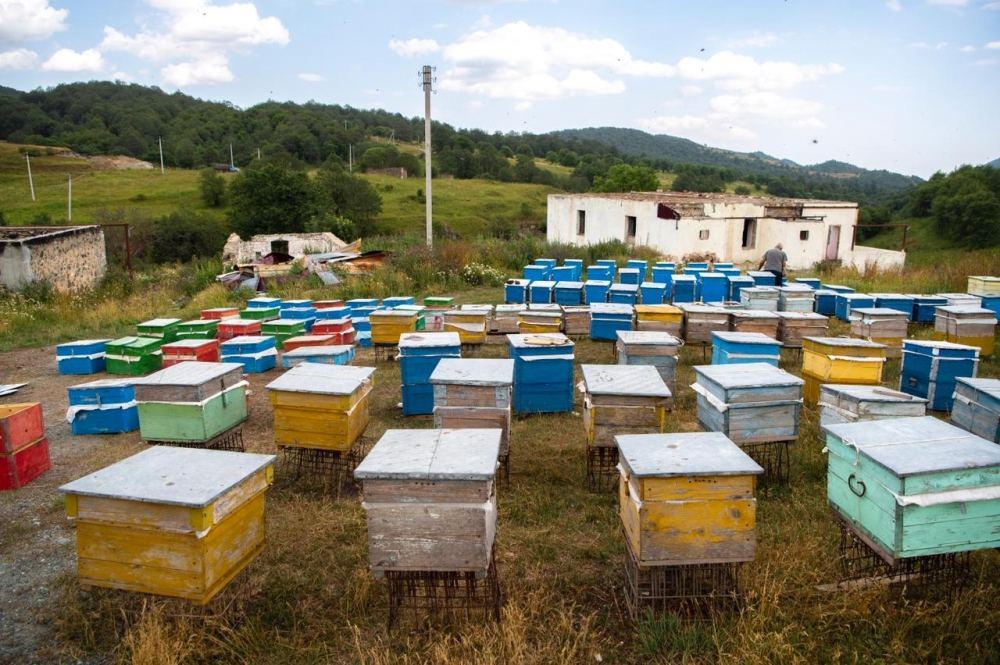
x=906, y=85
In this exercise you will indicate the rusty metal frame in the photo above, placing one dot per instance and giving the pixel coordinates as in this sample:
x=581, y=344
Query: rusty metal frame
x=854, y=233
x=128, y=246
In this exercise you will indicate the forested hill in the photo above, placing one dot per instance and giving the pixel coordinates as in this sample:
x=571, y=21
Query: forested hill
x=681, y=150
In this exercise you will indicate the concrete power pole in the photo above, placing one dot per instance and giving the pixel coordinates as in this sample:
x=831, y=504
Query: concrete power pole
x=232, y=163
x=350, y=158
x=69, y=200
x=427, y=80
x=159, y=140
x=31, y=181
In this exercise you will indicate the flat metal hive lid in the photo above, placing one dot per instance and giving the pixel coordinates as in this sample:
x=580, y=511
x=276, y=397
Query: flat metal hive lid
x=796, y=289
x=748, y=375
x=433, y=454
x=545, y=307
x=754, y=314
x=631, y=288
x=187, y=373
x=870, y=393
x=684, y=454
x=879, y=311
x=597, y=282
x=103, y=383
x=632, y=380
x=192, y=477
x=744, y=337
x=918, y=445
x=696, y=308
x=322, y=379
x=811, y=316
x=187, y=344
x=891, y=296
x=82, y=342
x=652, y=337
x=937, y=344
x=543, y=314
x=855, y=296
x=474, y=371
x=429, y=340
x=392, y=314
x=246, y=339
x=611, y=308
x=846, y=342
x=576, y=286
x=311, y=351
x=989, y=386
x=685, y=278
x=158, y=323
x=966, y=309
x=540, y=341
x=543, y=284
x=509, y=309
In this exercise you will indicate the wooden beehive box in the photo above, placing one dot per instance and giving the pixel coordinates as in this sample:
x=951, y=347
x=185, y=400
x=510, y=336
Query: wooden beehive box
x=430, y=499
x=255, y=352
x=730, y=348
x=474, y=393
x=219, y=313
x=321, y=406
x=105, y=406
x=606, y=319
x=749, y=403
x=24, y=450
x=759, y=297
x=796, y=298
x=843, y=359
x=687, y=498
x=930, y=368
x=754, y=320
x=977, y=407
x=198, y=329
x=533, y=321
x=334, y=354
x=164, y=330
x=170, y=521
x=967, y=324
x=469, y=324
x=85, y=356
x=191, y=401
x=793, y=327
x=576, y=320
x=650, y=347
x=504, y=319
x=204, y=350
x=700, y=321
x=388, y=324
x=622, y=399
x=845, y=403
x=283, y=329
x=543, y=372
x=300, y=341
x=230, y=328
x=662, y=318
x=882, y=325
x=915, y=486
x=260, y=313
x=983, y=285
x=133, y=356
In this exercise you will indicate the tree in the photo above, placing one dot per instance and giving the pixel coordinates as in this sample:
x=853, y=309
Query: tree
x=213, y=188
x=347, y=195
x=183, y=235
x=627, y=178
x=271, y=198
x=328, y=222
x=698, y=182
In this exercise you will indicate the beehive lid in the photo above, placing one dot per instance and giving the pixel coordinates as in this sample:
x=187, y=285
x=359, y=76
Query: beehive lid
x=891, y=296
x=744, y=337
x=926, y=296
x=188, y=344
x=870, y=393
x=684, y=454
x=967, y=310
x=652, y=337
x=246, y=339
x=81, y=342
x=191, y=477
x=312, y=351
x=237, y=323
x=540, y=340
x=713, y=275
x=575, y=286
x=846, y=342
x=918, y=445
x=597, y=282
x=657, y=309
x=754, y=314
x=103, y=383
x=795, y=289
x=802, y=316
x=392, y=313
x=625, y=287
x=543, y=284
x=158, y=323
x=610, y=308
x=989, y=386
x=879, y=312
x=932, y=344
x=283, y=323
x=748, y=375
x=132, y=342
x=544, y=314
x=630, y=380
x=855, y=296
x=322, y=379
x=509, y=309
x=433, y=454
x=474, y=371
x=544, y=307
x=425, y=340
x=760, y=291
x=696, y=308
x=188, y=373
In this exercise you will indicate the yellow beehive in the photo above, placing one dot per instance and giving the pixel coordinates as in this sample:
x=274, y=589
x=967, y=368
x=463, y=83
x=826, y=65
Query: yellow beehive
x=843, y=359
x=321, y=406
x=663, y=318
x=967, y=324
x=469, y=324
x=687, y=498
x=532, y=321
x=388, y=324
x=170, y=521
x=982, y=285
x=622, y=399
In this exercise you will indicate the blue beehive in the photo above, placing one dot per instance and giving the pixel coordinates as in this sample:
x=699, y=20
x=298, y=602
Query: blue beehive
x=838, y=288
x=362, y=324
x=606, y=319
x=396, y=301
x=763, y=278
x=338, y=354
x=263, y=302
x=368, y=304
x=548, y=263
x=713, y=286
x=696, y=266
x=257, y=353
x=600, y=273
x=663, y=273
x=897, y=301
x=730, y=272
x=737, y=283
x=684, y=288
x=568, y=293
x=333, y=313
x=826, y=302
x=596, y=290
x=626, y=294
x=363, y=337
x=640, y=265
x=515, y=291
x=562, y=274
x=293, y=304
x=106, y=406
x=732, y=348
x=719, y=267
x=924, y=306
x=851, y=301
x=811, y=282
x=419, y=354
x=577, y=266
x=992, y=303
x=931, y=367
x=652, y=293
x=541, y=291
x=85, y=356
x=543, y=372
x=611, y=265
x=629, y=276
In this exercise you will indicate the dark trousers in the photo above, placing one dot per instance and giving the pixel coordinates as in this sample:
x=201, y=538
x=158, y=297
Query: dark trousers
x=779, y=277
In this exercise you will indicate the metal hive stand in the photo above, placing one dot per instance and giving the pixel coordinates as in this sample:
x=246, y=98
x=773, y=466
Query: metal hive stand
x=602, y=472
x=231, y=439
x=384, y=352
x=773, y=456
x=334, y=469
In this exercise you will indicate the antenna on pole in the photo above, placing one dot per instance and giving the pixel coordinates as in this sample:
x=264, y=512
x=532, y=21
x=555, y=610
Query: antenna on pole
x=69, y=200
x=159, y=139
x=427, y=81
x=31, y=181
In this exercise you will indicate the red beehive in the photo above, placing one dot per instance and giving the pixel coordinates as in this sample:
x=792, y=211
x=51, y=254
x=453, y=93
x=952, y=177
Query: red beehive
x=24, y=451
x=328, y=304
x=331, y=326
x=205, y=350
x=230, y=328
x=307, y=340
x=217, y=313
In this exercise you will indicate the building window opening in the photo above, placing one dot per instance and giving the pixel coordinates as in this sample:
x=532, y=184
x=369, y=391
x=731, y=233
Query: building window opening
x=279, y=247
x=581, y=222
x=804, y=234
x=703, y=234
x=749, y=233
x=630, y=224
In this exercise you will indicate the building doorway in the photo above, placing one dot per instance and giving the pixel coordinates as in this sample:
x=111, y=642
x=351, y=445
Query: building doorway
x=279, y=247
x=833, y=243
x=630, y=226
x=749, y=233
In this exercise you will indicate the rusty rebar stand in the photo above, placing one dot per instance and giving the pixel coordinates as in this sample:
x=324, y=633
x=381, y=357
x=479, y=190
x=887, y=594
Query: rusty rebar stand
x=774, y=457
x=334, y=469
x=470, y=349
x=503, y=470
x=602, y=471
x=231, y=440
x=384, y=353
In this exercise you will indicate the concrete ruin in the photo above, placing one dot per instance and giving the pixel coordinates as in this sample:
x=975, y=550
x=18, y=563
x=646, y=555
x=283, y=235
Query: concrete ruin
x=70, y=258
x=239, y=252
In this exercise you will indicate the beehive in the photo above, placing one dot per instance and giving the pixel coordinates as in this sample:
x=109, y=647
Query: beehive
x=535, y=272
x=191, y=401
x=924, y=307
x=983, y=285
x=844, y=403
x=577, y=266
x=576, y=320
x=388, y=324
x=264, y=302
x=231, y=328
x=419, y=354
x=170, y=521
x=967, y=324
x=596, y=290
x=729, y=348
x=735, y=285
x=793, y=327
x=301, y=303
x=930, y=369
x=198, y=329
x=763, y=278
x=474, y=393
x=568, y=293
x=661, y=318
x=840, y=360
x=882, y=325
x=826, y=302
x=624, y=294
x=395, y=301
x=328, y=304
x=561, y=274
x=333, y=354
x=663, y=272
x=796, y=298
x=639, y=265
x=300, y=341
x=504, y=319
x=848, y=302
x=897, y=301
x=543, y=372
x=838, y=288
x=515, y=291
x=759, y=297
x=133, y=356
x=754, y=320
x=203, y=350
x=85, y=356
x=628, y=276
x=260, y=313
x=430, y=499
x=340, y=330
x=421, y=313
x=650, y=347
x=687, y=498
x=24, y=450
x=812, y=282
x=652, y=293
x=976, y=407
x=321, y=406
x=915, y=486
x=600, y=273
x=469, y=324
x=219, y=313
x=283, y=329
x=164, y=330
x=700, y=321
x=533, y=321
x=256, y=353
x=606, y=319
x=961, y=299
x=714, y=286
x=307, y=315
x=336, y=312
x=541, y=291
x=105, y=406
x=749, y=403
x=622, y=399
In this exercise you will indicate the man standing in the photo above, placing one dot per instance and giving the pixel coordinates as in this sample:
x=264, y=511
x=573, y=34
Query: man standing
x=774, y=262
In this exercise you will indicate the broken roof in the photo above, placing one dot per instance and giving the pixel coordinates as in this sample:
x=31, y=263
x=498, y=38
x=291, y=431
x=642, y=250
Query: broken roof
x=29, y=234
x=683, y=199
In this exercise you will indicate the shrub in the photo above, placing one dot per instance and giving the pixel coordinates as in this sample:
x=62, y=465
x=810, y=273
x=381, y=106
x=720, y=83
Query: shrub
x=184, y=235
x=213, y=188
x=477, y=274
x=329, y=222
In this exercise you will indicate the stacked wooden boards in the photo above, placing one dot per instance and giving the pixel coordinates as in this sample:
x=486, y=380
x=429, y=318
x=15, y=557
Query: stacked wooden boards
x=976, y=407
x=24, y=450
x=840, y=360
x=105, y=406
x=85, y=356
x=419, y=354
x=430, y=500
x=321, y=407
x=844, y=403
x=882, y=325
x=170, y=521
x=687, y=498
x=915, y=486
x=622, y=399
x=749, y=403
x=930, y=368
x=967, y=324
x=650, y=347
x=543, y=372
x=474, y=393
x=191, y=402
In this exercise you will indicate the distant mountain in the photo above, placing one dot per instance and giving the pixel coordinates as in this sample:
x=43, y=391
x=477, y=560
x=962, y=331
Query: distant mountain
x=995, y=163
x=684, y=151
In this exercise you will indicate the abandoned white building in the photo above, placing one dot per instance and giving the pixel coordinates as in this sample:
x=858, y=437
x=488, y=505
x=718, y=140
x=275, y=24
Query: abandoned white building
x=245, y=252
x=733, y=228
x=70, y=258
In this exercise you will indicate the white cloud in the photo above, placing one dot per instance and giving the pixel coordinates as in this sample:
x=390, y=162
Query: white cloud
x=769, y=105
x=755, y=40
x=924, y=45
x=523, y=106
x=124, y=77
x=413, y=47
x=993, y=45
x=968, y=48
x=709, y=128
x=68, y=60
x=948, y=3
x=992, y=6
x=19, y=58
x=25, y=20
x=205, y=71
x=986, y=62
x=743, y=73
x=690, y=90
x=309, y=77
x=894, y=5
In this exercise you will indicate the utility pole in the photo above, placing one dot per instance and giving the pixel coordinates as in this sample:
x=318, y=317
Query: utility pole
x=31, y=182
x=258, y=153
x=427, y=80
x=69, y=200
x=232, y=163
x=350, y=158
x=392, y=136
x=159, y=139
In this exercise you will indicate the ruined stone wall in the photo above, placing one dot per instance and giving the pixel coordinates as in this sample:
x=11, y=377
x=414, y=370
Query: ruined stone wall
x=69, y=262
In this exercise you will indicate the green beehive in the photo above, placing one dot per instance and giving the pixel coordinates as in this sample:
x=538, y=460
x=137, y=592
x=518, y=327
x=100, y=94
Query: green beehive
x=283, y=329
x=164, y=330
x=438, y=301
x=419, y=309
x=191, y=401
x=133, y=356
x=198, y=329
x=260, y=313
